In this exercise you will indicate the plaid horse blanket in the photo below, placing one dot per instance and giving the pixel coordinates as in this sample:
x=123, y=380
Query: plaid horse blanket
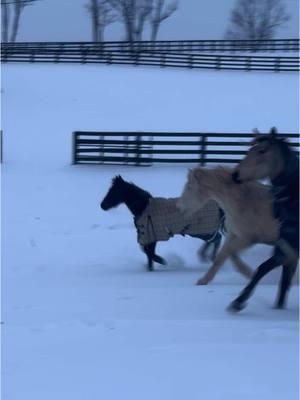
x=162, y=219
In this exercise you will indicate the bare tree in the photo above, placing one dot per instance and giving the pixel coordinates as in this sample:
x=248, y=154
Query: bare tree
x=17, y=6
x=160, y=12
x=5, y=21
x=101, y=15
x=256, y=19
x=133, y=14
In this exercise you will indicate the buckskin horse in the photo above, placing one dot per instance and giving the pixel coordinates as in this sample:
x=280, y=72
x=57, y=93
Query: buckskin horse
x=247, y=207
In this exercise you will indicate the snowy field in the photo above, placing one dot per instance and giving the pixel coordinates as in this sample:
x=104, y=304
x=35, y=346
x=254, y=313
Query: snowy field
x=82, y=319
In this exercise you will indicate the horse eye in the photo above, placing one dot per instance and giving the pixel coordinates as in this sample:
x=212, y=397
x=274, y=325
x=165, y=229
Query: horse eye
x=262, y=151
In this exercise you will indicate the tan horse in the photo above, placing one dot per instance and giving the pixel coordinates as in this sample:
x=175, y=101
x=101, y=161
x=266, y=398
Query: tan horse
x=247, y=207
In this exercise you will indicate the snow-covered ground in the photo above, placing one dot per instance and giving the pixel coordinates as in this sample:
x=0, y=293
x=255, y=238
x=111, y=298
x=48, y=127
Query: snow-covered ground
x=81, y=316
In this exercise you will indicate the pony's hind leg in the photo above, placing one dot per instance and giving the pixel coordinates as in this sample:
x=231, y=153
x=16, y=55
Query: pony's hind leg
x=204, y=251
x=288, y=271
x=240, y=302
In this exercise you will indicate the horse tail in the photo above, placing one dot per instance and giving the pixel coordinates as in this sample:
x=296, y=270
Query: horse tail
x=222, y=227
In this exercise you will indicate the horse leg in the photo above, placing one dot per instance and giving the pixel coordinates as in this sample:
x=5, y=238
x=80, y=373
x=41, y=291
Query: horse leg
x=216, y=242
x=240, y=302
x=242, y=267
x=288, y=271
x=149, y=249
x=231, y=246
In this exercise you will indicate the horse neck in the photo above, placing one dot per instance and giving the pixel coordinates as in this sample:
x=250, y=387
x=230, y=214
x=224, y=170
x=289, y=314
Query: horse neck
x=136, y=199
x=224, y=191
x=220, y=185
x=288, y=174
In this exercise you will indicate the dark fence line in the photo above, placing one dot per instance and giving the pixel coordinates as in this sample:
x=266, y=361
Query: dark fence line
x=146, y=148
x=204, y=61
x=165, y=46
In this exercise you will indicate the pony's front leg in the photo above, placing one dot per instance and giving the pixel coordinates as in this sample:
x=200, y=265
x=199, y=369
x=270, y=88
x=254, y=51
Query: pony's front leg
x=231, y=246
x=149, y=249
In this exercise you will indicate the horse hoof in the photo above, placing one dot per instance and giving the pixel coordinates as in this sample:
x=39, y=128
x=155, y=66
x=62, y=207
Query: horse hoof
x=202, y=282
x=159, y=260
x=279, y=307
x=236, y=306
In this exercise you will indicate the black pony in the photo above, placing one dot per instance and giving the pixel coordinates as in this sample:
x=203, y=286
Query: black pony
x=271, y=156
x=136, y=199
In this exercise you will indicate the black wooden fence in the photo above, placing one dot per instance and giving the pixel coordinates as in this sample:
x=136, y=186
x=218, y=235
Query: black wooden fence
x=123, y=53
x=146, y=148
x=163, y=46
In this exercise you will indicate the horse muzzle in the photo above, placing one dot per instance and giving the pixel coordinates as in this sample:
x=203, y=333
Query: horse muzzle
x=103, y=206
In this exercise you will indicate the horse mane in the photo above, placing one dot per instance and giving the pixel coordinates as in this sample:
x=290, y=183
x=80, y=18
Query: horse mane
x=218, y=180
x=137, y=190
x=288, y=153
x=216, y=175
x=131, y=188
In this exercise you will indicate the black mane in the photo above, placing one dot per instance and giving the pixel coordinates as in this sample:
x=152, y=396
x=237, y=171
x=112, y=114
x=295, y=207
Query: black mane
x=135, y=198
x=134, y=190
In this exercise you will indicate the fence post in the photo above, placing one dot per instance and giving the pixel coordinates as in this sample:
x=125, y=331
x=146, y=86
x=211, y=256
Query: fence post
x=32, y=54
x=248, y=64
x=218, y=62
x=74, y=148
x=138, y=148
x=202, y=149
x=4, y=53
x=108, y=58
x=277, y=64
x=56, y=57
x=83, y=53
x=101, y=148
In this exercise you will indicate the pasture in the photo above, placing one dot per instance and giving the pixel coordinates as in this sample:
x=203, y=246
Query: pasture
x=82, y=318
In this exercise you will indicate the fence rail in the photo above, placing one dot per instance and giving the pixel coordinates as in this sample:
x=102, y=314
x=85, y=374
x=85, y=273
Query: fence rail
x=99, y=54
x=167, y=46
x=146, y=148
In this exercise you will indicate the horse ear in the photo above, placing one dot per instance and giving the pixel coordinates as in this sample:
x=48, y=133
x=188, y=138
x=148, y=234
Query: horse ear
x=197, y=173
x=273, y=134
x=117, y=178
x=256, y=132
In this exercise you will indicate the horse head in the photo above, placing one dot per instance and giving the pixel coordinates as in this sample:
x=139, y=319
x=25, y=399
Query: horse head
x=115, y=194
x=266, y=158
x=121, y=191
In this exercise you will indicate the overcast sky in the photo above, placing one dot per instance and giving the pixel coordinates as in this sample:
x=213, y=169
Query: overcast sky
x=68, y=20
